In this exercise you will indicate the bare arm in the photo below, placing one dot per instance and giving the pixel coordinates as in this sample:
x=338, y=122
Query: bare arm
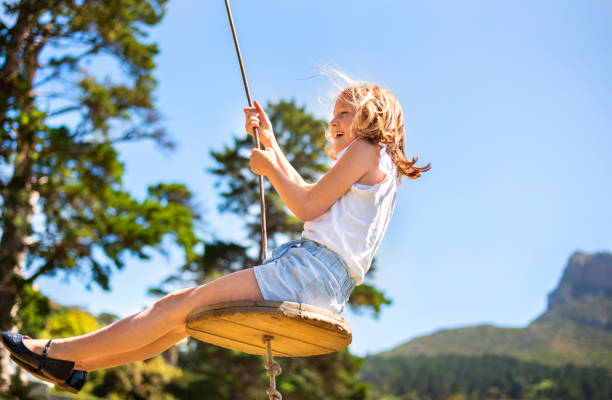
x=287, y=168
x=307, y=204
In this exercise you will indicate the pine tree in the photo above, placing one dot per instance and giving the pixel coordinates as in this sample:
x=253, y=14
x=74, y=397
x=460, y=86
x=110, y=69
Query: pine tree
x=63, y=205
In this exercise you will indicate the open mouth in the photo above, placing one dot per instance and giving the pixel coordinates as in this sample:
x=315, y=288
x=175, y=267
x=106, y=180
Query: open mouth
x=339, y=134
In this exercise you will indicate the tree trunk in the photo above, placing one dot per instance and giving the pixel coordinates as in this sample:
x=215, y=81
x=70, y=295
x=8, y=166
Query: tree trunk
x=13, y=247
x=18, y=197
x=5, y=366
x=16, y=82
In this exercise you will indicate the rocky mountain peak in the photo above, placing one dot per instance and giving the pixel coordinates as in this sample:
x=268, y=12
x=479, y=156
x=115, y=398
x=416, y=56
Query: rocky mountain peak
x=584, y=275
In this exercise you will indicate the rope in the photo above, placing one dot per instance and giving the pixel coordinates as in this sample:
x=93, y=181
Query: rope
x=273, y=369
x=262, y=201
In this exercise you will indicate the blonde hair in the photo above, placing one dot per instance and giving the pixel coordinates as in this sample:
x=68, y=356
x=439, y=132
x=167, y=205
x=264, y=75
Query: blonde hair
x=379, y=119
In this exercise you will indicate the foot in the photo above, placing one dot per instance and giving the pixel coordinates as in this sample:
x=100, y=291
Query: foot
x=34, y=359
x=73, y=384
x=53, y=368
x=37, y=345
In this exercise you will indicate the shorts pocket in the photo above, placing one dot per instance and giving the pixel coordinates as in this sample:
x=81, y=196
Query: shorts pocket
x=280, y=251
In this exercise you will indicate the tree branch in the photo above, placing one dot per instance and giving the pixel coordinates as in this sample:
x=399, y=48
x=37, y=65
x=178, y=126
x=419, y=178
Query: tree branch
x=70, y=59
x=63, y=111
x=158, y=135
x=7, y=289
x=48, y=266
x=33, y=64
x=18, y=34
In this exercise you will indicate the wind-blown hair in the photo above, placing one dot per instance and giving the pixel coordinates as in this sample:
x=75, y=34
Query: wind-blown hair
x=379, y=119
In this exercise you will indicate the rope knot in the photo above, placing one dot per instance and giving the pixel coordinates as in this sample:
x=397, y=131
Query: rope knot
x=273, y=394
x=273, y=368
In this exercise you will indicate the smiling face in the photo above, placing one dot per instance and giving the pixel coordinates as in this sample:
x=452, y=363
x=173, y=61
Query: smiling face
x=342, y=132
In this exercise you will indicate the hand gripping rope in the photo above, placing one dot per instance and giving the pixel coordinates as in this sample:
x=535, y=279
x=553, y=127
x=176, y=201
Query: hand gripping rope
x=264, y=239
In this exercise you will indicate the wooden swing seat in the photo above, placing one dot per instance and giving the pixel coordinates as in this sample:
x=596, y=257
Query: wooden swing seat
x=297, y=330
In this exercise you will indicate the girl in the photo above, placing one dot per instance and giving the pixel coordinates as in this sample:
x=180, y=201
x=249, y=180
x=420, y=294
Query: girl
x=345, y=216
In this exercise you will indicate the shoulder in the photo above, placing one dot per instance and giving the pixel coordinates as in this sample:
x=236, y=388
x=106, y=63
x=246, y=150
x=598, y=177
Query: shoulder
x=363, y=150
x=363, y=155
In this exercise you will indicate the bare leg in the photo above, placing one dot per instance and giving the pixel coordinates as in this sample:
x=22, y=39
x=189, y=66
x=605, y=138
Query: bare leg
x=144, y=353
x=168, y=314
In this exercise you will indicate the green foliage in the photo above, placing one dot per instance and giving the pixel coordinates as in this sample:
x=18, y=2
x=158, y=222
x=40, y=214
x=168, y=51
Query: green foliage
x=69, y=322
x=107, y=318
x=34, y=310
x=63, y=206
x=59, y=127
x=20, y=390
x=366, y=296
x=482, y=377
x=214, y=373
x=87, y=212
x=143, y=380
x=140, y=380
x=330, y=376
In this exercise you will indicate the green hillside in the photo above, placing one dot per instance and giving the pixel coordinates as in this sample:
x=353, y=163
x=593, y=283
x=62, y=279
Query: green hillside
x=553, y=342
x=576, y=328
x=456, y=377
x=565, y=353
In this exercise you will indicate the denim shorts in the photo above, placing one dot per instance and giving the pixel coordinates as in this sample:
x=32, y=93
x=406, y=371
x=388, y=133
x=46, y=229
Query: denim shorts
x=304, y=271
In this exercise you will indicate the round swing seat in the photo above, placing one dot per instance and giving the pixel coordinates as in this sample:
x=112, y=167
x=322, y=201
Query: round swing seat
x=297, y=330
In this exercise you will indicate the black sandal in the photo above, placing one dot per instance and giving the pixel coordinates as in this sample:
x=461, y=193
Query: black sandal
x=43, y=367
x=73, y=384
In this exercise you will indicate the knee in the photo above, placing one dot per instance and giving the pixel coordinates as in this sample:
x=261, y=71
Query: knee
x=175, y=304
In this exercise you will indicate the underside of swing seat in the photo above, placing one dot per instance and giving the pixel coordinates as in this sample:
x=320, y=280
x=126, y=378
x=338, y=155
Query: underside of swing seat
x=297, y=329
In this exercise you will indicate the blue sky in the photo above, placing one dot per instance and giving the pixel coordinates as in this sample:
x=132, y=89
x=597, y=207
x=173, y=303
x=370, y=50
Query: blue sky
x=511, y=102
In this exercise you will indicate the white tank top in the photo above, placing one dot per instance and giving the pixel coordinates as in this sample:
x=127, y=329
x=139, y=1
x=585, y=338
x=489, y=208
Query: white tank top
x=355, y=224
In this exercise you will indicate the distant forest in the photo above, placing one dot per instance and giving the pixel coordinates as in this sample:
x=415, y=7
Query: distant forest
x=459, y=377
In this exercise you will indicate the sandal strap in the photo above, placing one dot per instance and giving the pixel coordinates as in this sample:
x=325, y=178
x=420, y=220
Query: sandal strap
x=46, y=349
x=43, y=356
